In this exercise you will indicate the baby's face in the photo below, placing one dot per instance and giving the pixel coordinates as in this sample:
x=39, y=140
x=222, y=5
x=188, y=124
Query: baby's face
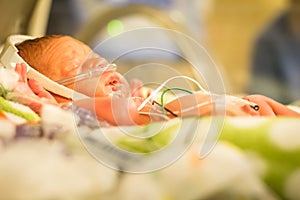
x=63, y=56
x=79, y=59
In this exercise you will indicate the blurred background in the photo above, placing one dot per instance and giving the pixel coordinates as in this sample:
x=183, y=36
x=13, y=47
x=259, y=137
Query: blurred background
x=254, y=43
x=227, y=29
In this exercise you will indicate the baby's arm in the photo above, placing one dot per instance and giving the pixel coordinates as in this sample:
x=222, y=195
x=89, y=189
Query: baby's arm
x=234, y=106
x=204, y=104
x=124, y=111
x=116, y=111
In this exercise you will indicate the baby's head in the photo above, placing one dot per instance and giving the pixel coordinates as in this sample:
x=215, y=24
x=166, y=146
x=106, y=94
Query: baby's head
x=55, y=56
x=59, y=57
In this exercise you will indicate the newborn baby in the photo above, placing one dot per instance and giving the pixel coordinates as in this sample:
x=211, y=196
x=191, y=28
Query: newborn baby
x=60, y=57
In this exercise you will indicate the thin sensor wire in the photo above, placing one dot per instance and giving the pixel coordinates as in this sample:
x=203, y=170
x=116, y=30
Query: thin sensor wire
x=150, y=97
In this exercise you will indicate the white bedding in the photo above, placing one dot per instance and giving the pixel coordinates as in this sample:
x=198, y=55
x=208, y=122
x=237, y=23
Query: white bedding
x=254, y=158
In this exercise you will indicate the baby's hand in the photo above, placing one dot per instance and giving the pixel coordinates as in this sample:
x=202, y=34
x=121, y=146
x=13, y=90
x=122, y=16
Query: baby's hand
x=22, y=85
x=39, y=91
x=30, y=92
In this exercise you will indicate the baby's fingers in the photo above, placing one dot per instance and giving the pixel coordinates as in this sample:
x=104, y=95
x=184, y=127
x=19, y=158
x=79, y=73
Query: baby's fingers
x=38, y=90
x=21, y=69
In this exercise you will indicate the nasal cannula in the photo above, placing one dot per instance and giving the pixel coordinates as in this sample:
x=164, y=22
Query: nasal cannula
x=156, y=91
x=94, y=72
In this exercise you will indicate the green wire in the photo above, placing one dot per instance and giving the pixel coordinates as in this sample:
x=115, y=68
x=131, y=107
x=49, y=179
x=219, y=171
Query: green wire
x=3, y=91
x=165, y=91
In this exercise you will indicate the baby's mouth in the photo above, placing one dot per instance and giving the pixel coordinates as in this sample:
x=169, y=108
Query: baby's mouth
x=115, y=85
